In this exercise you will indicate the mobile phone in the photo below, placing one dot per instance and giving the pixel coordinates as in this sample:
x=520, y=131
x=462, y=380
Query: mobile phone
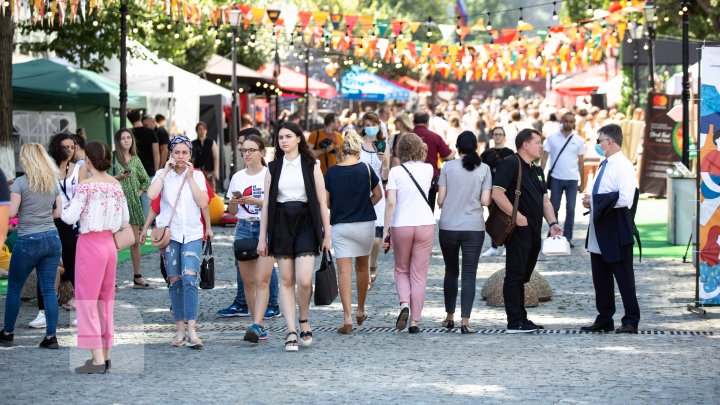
x=237, y=194
x=387, y=240
x=380, y=146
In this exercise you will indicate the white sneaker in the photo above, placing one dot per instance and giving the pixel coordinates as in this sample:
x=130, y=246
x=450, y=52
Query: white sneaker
x=491, y=252
x=74, y=322
x=39, y=322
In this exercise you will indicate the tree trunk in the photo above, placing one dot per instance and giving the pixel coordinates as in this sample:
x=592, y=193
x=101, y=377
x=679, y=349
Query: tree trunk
x=7, y=157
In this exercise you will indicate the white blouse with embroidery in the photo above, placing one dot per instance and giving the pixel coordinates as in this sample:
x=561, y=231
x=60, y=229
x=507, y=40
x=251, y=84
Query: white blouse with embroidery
x=99, y=207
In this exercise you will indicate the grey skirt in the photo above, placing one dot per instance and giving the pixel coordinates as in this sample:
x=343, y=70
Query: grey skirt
x=353, y=239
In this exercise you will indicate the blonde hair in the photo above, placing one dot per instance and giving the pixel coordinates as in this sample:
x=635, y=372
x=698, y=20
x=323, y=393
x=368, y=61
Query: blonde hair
x=352, y=144
x=410, y=148
x=40, y=169
x=405, y=120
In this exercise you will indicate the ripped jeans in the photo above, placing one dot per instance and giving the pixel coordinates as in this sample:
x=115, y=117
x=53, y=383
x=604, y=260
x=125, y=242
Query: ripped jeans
x=183, y=260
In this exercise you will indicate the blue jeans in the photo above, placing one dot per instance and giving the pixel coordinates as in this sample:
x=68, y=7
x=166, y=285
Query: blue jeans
x=570, y=188
x=40, y=251
x=183, y=260
x=246, y=230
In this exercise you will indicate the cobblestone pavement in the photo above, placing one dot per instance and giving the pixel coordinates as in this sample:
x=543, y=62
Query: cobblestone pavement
x=673, y=360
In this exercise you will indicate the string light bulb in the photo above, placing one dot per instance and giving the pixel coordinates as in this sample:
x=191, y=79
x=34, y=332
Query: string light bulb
x=520, y=20
x=590, y=10
x=429, y=28
x=488, y=27
x=555, y=14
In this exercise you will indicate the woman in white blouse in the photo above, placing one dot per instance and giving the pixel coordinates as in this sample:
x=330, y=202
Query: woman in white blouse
x=295, y=225
x=411, y=222
x=100, y=206
x=184, y=253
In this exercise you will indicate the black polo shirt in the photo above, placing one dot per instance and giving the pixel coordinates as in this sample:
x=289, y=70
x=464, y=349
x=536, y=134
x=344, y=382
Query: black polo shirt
x=532, y=188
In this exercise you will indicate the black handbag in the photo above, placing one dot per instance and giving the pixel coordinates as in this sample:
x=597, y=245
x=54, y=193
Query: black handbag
x=326, y=287
x=207, y=268
x=245, y=249
x=500, y=225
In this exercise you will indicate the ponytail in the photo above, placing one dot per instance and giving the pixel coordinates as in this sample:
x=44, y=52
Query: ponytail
x=467, y=145
x=471, y=161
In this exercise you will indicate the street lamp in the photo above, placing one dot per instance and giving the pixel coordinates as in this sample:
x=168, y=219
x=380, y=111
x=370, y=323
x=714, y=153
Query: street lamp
x=123, y=65
x=234, y=22
x=635, y=31
x=649, y=11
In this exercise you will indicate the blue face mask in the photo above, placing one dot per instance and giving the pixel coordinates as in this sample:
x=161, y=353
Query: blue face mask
x=599, y=150
x=372, y=131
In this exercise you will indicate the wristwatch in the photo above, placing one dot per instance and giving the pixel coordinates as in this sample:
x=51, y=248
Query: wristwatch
x=553, y=223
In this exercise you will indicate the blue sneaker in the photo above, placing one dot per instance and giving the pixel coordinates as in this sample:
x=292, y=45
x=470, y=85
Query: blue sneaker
x=234, y=310
x=272, y=312
x=255, y=333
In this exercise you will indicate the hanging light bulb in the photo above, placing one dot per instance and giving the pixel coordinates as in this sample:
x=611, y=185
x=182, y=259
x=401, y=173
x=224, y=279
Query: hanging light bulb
x=429, y=28
x=555, y=14
x=520, y=20
x=489, y=24
x=590, y=10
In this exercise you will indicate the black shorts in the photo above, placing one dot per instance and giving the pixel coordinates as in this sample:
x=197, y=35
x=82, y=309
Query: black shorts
x=293, y=232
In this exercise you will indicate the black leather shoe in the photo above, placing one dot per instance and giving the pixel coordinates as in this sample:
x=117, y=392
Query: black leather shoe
x=413, y=329
x=598, y=328
x=627, y=329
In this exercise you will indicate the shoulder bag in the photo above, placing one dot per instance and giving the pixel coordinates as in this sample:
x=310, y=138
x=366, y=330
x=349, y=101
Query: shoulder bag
x=549, y=178
x=124, y=237
x=207, y=268
x=160, y=236
x=326, y=287
x=500, y=225
x=417, y=185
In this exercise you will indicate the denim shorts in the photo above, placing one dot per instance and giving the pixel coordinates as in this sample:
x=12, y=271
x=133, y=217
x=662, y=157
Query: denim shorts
x=247, y=229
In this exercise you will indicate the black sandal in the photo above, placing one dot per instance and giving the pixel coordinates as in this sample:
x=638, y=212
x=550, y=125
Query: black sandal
x=448, y=323
x=291, y=345
x=304, y=334
x=145, y=286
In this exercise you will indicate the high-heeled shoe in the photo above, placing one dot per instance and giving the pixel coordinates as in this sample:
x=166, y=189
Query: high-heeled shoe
x=303, y=335
x=448, y=323
x=361, y=319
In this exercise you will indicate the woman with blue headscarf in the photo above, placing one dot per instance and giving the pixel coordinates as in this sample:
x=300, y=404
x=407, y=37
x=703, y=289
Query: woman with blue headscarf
x=177, y=183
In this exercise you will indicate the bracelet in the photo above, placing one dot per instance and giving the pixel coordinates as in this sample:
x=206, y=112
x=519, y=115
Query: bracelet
x=553, y=223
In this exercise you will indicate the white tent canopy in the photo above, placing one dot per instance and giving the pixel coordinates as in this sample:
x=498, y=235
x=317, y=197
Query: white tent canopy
x=148, y=74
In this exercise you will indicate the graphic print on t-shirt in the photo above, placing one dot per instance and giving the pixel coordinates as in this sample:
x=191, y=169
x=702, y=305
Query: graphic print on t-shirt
x=252, y=191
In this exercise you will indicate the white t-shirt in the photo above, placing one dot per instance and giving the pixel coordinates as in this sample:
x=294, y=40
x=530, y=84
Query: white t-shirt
x=185, y=226
x=411, y=208
x=376, y=164
x=567, y=166
x=248, y=186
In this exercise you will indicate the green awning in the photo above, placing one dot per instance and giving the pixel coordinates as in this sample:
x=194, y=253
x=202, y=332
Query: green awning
x=45, y=81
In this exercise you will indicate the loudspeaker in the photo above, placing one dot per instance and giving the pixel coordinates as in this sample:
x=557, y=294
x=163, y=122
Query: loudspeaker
x=598, y=100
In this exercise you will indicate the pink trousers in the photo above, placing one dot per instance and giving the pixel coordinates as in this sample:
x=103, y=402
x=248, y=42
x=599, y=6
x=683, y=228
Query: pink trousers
x=412, y=246
x=95, y=267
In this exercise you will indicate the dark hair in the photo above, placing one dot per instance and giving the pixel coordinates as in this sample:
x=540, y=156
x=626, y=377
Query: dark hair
x=553, y=117
x=133, y=147
x=248, y=132
x=421, y=117
x=515, y=115
x=99, y=155
x=467, y=145
x=55, y=149
x=199, y=124
x=259, y=141
x=133, y=116
x=159, y=117
x=329, y=118
x=716, y=136
x=303, y=147
x=525, y=135
x=496, y=128
x=614, y=132
x=79, y=140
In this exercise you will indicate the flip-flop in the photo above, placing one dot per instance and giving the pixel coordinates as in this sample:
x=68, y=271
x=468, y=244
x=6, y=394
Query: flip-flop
x=178, y=342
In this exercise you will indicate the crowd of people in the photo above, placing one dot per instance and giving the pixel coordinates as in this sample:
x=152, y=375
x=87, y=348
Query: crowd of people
x=356, y=187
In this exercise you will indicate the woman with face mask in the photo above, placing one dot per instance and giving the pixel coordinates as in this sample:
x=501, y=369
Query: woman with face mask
x=183, y=255
x=373, y=153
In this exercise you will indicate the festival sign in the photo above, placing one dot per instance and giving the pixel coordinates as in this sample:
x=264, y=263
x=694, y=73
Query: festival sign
x=709, y=215
x=660, y=146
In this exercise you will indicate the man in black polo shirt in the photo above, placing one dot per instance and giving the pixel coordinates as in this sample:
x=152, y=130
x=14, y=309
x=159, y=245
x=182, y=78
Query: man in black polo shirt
x=523, y=246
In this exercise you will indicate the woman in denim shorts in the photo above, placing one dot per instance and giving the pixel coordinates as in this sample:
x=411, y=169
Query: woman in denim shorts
x=246, y=193
x=295, y=225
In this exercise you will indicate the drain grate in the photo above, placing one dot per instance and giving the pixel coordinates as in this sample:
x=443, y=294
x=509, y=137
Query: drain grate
x=324, y=329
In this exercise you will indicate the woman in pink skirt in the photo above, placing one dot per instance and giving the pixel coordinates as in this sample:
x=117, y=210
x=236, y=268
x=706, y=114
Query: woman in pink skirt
x=100, y=206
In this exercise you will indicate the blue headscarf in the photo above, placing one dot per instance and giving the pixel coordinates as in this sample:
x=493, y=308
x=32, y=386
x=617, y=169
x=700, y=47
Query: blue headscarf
x=180, y=139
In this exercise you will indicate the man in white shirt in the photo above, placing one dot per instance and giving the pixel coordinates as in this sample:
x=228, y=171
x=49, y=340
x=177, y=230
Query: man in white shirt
x=610, y=234
x=566, y=150
x=513, y=128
